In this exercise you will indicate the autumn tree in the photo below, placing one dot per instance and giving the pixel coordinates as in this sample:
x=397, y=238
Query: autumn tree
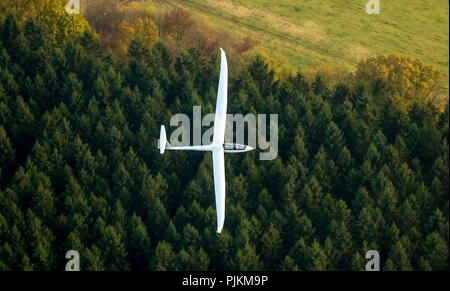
x=408, y=79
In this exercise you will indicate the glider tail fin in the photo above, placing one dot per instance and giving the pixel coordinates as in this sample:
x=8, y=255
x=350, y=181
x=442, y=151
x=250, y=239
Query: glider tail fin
x=163, y=144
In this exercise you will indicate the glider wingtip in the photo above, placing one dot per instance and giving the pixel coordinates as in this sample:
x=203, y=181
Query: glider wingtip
x=220, y=227
x=222, y=52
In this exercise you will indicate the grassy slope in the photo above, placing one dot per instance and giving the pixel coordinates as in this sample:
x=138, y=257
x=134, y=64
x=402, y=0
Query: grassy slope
x=313, y=33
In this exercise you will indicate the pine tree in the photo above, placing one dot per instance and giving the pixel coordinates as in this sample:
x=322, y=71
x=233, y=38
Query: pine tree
x=41, y=239
x=435, y=252
x=423, y=265
x=246, y=259
x=164, y=257
x=7, y=155
x=271, y=247
x=341, y=237
x=191, y=235
x=324, y=170
x=113, y=249
x=92, y=260
x=333, y=140
x=400, y=258
x=262, y=75
x=358, y=262
x=157, y=220
x=138, y=244
x=288, y=264
x=316, y=259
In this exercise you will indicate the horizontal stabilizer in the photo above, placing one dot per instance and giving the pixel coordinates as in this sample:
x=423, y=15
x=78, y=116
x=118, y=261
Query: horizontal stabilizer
x=162, y=143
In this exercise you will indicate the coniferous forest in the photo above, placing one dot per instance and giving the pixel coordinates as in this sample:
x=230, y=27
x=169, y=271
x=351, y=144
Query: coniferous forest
x=362, y=164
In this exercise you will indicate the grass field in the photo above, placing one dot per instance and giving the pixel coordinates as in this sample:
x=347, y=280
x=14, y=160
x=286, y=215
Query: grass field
x=313, y=33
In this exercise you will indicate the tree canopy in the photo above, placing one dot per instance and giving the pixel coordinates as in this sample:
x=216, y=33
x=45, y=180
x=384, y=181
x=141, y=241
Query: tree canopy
x=79, y=166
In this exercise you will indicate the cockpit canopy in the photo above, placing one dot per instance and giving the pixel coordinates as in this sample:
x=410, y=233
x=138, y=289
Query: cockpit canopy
x=233, y=146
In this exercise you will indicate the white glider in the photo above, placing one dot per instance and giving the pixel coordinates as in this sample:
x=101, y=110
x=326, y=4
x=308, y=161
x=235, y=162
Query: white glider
x=218, y=147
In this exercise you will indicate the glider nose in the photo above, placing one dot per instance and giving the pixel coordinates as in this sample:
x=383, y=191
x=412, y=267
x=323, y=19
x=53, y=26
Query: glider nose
x=249, y=148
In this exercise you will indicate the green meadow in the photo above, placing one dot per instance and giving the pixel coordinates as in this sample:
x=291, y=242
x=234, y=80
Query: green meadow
x=312, y=34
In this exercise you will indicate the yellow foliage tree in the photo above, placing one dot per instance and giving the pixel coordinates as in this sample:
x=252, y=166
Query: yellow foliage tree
x=143, y=28
x=51, y=14
x=280, y=65
x=408, y=79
